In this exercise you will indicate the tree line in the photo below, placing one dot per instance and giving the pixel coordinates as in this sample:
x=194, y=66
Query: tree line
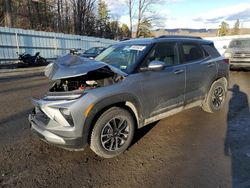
x=82, y=17
x=87, y=17
x=225, y=30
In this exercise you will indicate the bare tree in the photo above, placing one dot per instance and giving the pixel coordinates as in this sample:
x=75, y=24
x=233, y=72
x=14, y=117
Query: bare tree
x=144, y=16
x=130, y=4
x=83, y=16
x=8, y=13
x=143, y=7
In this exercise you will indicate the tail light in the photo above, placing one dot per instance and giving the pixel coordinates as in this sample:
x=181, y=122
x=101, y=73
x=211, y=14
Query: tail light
x=226, y=61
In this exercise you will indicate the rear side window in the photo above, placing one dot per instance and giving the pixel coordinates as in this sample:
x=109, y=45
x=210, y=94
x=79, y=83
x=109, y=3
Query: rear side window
x=211, y=50
x=192, y=52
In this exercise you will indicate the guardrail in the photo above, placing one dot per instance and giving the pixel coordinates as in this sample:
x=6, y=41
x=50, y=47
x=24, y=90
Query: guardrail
x=49, y=44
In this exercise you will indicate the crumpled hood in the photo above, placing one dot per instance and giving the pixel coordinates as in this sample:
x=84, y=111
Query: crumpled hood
x=73, y=66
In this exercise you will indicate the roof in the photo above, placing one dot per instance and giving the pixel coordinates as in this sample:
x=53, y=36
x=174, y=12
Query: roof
x=166, y=38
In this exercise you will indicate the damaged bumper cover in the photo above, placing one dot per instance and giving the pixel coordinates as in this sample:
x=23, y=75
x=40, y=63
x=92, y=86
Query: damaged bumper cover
x=51, y=138
x=52, y=127
x=36, y=127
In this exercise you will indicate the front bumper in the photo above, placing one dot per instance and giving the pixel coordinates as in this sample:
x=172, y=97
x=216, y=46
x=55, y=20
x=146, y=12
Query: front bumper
x=238, y=63
x=39, y=129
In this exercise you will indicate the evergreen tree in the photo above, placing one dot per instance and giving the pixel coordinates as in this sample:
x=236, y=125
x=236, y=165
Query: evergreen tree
x=124, y=31
x=224, y=29
x=114, y=29
x=144, y=29
x=102, y=18
x=236, y=29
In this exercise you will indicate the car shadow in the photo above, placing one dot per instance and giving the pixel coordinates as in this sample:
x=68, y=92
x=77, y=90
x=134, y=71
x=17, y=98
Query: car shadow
x=142, y=132
x=237, y=140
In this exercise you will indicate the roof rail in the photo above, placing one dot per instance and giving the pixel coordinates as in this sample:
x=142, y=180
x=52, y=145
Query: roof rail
x=177, y=36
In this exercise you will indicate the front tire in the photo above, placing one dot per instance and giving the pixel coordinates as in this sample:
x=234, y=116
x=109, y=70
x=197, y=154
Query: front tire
x=112, y=133
x=216, y=97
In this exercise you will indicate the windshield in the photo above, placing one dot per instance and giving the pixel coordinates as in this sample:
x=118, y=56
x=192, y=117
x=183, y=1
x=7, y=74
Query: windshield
x=243, y=43
x=123, y=56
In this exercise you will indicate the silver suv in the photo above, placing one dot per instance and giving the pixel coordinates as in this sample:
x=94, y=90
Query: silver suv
x=238, y=52
x=131, y=84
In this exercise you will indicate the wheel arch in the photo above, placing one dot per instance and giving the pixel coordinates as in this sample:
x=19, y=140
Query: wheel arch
x=126, y=101
x=221, y=79
x=218, y=79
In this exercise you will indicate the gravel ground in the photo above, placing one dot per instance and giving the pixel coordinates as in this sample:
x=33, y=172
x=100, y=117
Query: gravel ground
x=190, y=149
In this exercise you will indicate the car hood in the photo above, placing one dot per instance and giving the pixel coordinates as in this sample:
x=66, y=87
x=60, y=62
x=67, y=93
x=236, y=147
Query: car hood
x=73, y=66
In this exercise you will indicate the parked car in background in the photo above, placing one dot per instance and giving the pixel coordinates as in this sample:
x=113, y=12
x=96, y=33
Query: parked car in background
x=133, y=83
x=238, y=53
x=92, y=52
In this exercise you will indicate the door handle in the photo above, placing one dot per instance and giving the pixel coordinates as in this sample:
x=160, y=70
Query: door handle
x=210, y=65
x=179, y=71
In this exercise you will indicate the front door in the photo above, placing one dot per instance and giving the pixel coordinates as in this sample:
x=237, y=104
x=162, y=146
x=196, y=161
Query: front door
x=163, y=90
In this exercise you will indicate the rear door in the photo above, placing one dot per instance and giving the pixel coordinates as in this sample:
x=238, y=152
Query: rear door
x=200, y=71
x=163, y=90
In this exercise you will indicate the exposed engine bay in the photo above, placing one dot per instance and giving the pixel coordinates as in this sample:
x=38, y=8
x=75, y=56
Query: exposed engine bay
x=93, y=79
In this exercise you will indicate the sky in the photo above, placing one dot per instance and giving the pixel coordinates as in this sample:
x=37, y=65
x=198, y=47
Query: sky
x=194, y=14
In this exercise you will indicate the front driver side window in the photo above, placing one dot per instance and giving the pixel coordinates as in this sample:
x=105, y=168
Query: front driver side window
x=165, y=52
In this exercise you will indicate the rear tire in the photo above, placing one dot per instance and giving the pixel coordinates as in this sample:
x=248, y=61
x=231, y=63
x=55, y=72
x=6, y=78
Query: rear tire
x=216, y=97
x=41, y=61
x=112, y=133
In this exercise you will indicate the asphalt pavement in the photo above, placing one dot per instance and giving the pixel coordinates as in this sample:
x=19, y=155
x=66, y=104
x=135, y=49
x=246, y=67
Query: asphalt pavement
x=190, y=149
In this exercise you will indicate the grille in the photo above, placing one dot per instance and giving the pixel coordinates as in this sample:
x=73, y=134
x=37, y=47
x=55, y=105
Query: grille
x=241, y=55
x=41, y=116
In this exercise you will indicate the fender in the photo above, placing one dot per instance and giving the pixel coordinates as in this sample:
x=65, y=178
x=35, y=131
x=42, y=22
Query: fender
x=129, y=101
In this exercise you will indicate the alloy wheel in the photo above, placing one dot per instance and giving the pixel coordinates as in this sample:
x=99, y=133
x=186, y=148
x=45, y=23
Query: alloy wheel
x=218, y=97
x=114, y=134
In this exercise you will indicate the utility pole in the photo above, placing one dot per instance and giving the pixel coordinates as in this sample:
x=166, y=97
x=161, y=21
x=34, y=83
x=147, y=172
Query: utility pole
x=8, y=22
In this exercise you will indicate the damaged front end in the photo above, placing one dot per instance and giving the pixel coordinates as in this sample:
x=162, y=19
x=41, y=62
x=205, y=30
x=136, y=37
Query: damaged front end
x=74, y=73
x=56, y=115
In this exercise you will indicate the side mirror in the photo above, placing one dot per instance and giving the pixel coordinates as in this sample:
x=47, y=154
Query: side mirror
x=154, y=66
x=225, y=47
